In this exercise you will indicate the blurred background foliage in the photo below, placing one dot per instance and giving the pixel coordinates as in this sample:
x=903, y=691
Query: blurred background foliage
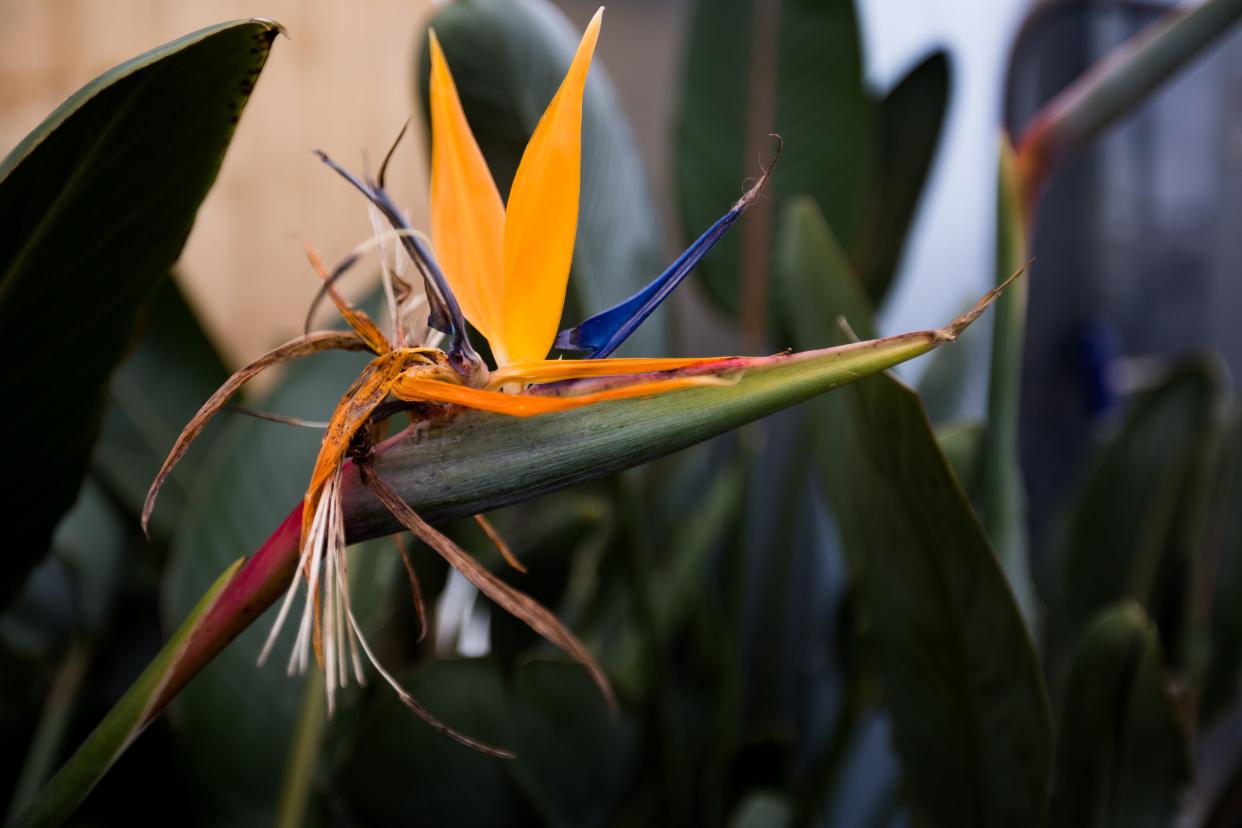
x=839, y=616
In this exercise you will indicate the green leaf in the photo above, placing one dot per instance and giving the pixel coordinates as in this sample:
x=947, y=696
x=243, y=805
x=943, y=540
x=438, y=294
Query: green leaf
x=958, y=670
x=811, y=266
x=508, y=59
x=96, y=204
x=152, y=395
x=749, y=71
x=682, y=574
x=1123, y=758
x=957, y=665
x=910, y=121
x=961, y=443
x=1123, y=535
x=1002, y=496
x=573, y=767
x=58, y=799
x=1224, y=573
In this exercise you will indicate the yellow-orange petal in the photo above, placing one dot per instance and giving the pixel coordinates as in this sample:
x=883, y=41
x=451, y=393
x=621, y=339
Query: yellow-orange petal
x=467, y=215
x=542, y=216
x=555, y=370
x=414, y=388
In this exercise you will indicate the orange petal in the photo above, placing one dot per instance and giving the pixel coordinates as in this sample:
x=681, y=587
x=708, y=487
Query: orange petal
x=467, y=216
x=415, y=388
x=554, y=370
x=542, y=216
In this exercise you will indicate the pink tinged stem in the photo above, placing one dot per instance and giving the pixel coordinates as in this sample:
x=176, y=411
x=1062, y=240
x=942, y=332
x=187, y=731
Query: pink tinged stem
x=257, y=585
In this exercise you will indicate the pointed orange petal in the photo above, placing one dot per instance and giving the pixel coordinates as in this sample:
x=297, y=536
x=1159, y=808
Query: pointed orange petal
x=554, y=370
x=467, y=216
x=542, y=216
x=414, y=388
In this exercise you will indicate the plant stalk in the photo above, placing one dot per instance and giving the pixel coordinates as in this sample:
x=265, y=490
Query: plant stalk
x=1113, y=88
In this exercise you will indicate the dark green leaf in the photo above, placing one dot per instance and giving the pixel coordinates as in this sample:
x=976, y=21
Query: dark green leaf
x=1224, y=574
x=957, y=665
x=1124, y=536
x=910, y=121
x=573, y=764
x=747, y=73
x=961, y=443
x=795, y=69
x=124, y=722
x=153, y=394
x=817, y=278
x=508, y=60
x=96, y=204
x=682, y=573
x=1122, y=756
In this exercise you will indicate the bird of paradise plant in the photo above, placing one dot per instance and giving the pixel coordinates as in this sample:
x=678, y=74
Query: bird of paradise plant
x=503, y=269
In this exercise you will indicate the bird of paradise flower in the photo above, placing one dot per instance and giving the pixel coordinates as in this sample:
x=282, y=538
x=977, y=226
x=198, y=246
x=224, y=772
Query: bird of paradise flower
x=505, y=270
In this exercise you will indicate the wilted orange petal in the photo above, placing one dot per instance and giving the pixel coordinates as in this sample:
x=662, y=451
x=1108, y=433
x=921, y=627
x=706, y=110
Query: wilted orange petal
x=542, y=216
x=467, y=216
x=415, y=388
x=366, y=392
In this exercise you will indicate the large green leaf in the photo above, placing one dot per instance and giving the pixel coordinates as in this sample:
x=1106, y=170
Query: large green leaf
x=958, y=669
x=96, y=204
x=1125, y=535
x=508, y=59
x=957, y=665
x=1224, y=573
x=1123, y=758
x=152, y=395
x=573, y=766
x=811, y=266
x=58, y=799
x=910, y=119
x=795, y=69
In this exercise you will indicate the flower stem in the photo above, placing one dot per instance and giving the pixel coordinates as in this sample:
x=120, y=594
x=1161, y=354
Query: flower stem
x=45, y=745
x=303, y=754
x=1113, y=87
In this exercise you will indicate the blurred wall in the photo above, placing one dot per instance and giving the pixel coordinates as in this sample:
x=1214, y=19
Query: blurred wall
x=342, y=81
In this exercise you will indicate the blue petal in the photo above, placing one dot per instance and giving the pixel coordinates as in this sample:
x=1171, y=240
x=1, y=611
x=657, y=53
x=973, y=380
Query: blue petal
x=604, y=332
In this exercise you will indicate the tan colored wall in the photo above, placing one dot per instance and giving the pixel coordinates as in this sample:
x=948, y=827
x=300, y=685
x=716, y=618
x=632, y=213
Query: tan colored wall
x=342, y=82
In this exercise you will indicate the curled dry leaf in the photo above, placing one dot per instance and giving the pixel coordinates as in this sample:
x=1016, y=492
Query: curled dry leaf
x=300, y=347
